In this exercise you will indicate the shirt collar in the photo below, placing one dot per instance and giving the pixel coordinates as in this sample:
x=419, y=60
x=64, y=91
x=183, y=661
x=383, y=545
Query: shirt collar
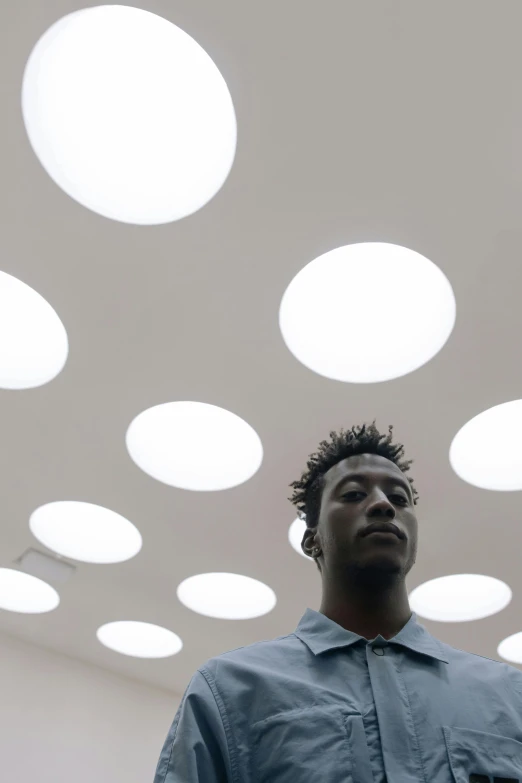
x=320, y=634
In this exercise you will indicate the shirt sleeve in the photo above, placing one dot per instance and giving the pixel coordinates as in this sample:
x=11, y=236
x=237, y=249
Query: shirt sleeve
x=196, y=749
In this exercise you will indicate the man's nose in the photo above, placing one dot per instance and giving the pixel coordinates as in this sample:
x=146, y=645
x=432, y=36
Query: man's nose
x=380, y=506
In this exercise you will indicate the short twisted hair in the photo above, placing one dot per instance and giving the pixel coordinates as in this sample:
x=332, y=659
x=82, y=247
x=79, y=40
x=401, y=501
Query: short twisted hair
x=361, y=439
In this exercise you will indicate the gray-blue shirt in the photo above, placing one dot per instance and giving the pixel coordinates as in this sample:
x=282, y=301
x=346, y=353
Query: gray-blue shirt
x=325, y=705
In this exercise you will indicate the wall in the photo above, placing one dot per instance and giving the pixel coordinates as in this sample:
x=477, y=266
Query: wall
x=62, y=721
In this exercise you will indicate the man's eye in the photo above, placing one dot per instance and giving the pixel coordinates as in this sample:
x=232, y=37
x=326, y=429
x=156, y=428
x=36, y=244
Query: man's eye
x=400, y=499
x=353, y=495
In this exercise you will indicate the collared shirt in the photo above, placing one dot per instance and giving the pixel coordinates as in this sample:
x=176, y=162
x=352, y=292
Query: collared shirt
x=325, y=705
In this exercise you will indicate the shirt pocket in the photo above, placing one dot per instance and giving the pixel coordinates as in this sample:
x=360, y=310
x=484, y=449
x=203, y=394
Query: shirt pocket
x=473, y=754
x=311, y=744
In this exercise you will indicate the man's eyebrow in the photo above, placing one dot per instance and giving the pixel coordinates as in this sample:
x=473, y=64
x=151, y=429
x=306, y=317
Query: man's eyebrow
x=363, y=479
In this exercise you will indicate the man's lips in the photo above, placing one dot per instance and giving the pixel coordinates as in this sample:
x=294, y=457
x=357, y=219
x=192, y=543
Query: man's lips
x=383, y=527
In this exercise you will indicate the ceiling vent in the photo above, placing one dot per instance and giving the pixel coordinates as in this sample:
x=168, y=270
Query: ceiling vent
x=46, y=567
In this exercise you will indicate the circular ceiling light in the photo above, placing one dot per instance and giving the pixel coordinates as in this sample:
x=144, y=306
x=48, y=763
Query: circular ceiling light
x=295, y=536
x=499, y=467
x=367, y=312
x=86, y=532
x=140, y=640
x=193, y=445
x=460, y=597
x=511, y=648
x=226, y=596
x=21, y=592
x=128, y=114
x=33, y=340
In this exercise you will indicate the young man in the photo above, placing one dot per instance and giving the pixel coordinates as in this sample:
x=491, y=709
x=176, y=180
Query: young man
x=360, y=692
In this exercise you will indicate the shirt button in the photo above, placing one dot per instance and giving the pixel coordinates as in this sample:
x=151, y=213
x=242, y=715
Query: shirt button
x=378, y=650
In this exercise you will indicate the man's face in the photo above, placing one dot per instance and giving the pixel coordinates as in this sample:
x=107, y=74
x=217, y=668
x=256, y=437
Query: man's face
x=360, y=492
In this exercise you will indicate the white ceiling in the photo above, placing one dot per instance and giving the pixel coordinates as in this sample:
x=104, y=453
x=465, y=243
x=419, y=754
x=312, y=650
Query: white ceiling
x=387, y=121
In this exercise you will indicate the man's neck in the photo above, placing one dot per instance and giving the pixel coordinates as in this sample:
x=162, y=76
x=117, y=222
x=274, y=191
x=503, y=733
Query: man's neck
x=383, y=612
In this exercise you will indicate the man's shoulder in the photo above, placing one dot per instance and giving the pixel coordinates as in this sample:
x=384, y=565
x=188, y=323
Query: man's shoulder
x=263, y=655
x=472, y=666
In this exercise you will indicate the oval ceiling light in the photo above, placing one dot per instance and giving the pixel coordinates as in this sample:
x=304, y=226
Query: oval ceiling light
x=511, y=648
x=85, y=532
x=140, y=640
x=193, y=445
x=33, y=340
x=21, y=592
x=367, y=312
x=499, y=467
x=128, y=114
x=460, y=597
x=296, y=532
x=226, y=596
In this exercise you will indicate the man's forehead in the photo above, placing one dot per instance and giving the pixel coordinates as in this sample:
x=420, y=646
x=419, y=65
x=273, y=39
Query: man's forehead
x=362, y=463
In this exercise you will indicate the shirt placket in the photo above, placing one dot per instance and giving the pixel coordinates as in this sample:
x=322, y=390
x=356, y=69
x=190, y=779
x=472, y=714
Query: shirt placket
x=400, y=748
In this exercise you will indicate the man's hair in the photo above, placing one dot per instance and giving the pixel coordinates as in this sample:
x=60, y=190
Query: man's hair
x=361, y=439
